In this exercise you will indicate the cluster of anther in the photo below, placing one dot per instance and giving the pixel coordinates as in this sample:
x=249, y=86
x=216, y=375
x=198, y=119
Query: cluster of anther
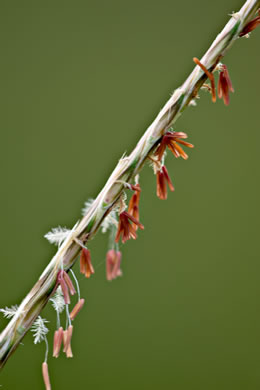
x=174, y=142
x=224, y=82
x=60, y=335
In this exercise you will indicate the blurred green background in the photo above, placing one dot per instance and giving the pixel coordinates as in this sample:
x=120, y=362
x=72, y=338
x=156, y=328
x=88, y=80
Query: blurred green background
x=80, y=82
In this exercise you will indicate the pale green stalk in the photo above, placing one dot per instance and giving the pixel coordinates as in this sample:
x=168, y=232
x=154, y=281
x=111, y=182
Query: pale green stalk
x=125, y=171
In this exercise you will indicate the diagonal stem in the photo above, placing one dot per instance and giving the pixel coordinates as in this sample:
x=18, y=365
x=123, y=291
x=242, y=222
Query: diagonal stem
x=126, y=169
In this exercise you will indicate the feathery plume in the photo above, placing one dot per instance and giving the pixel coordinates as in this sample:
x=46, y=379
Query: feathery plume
x=58, y=302
x=9, y=312
x=57, y=235
x=39, y=329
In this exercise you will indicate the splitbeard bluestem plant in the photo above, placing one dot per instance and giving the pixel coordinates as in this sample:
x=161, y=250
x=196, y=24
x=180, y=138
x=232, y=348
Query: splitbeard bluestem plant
x=109, y=210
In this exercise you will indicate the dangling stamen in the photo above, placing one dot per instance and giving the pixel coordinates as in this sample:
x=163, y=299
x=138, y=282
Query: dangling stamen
x=210, y=76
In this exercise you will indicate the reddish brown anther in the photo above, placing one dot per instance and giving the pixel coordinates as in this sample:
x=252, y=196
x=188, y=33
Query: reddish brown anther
x=67, y=335
x=224, y=84
x=172, y=140
x=69, y=283
x=113, y=264
x=125, y=228
x=64, y=287
x=162, y=179
x=45, y=375
x=58, y=337
x=251, y=25
x=86, y=266
x=133, y=207
x=76, y=309
x=64, y=339
x=210, y=76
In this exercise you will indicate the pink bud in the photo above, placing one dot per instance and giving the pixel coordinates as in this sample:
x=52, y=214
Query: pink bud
x=86, y=266
x=64, y=338
x=45, y=375
x=113, y=264
x=69, y=283
x=58, y=336
x=77, y=308
x=67, y=341
x=64, y=286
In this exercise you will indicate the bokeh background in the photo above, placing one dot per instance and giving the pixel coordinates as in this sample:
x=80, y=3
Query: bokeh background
x=80, y=82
